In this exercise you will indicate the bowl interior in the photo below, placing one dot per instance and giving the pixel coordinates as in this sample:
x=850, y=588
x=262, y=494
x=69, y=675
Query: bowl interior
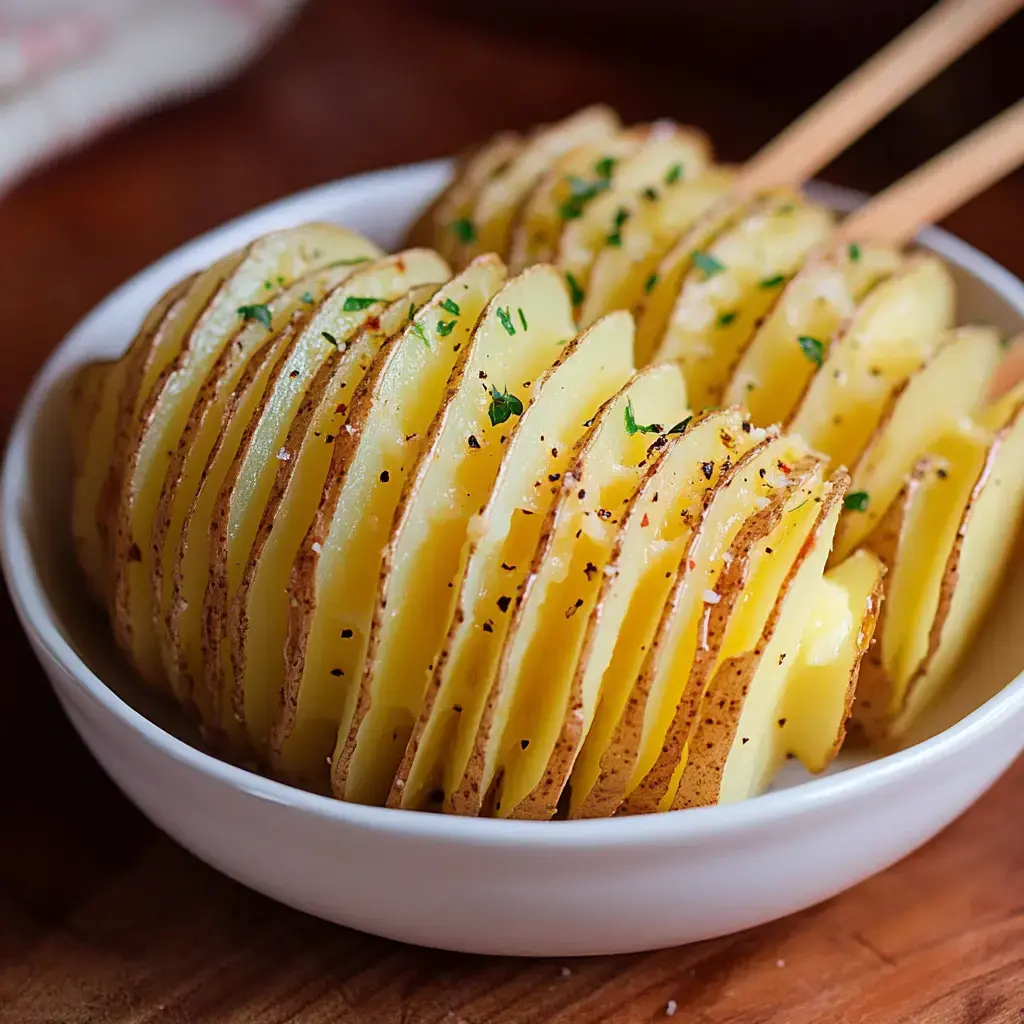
x=36, y=495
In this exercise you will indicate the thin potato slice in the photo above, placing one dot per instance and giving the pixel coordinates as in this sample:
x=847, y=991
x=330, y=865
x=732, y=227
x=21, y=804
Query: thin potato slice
x=501, y=196
x=329, y=338
x=277, y=260
x=451, y=482
x=562, y=194
x=740, y=739
x=650, y=543
x=669, y=153
x=931, y=403
x=839, y=626
x=621, y=273
x=187, y=471
x=534, y=718
x=661, y=288
x=894, y=331
x=332, y=607
x=797, y=333
x=732, y=284
x=258, y=617
x=743, y=508
x=502, y=543
x=445, y=224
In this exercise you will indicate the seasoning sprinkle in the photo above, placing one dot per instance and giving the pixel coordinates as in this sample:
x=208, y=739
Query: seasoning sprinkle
x=257, y=311
x=505, y=319
x=673, y=174
x=854, y=252
x=522, y=319
x=451, y=307
x=771, y=282
x=503, y=406
x=327, y=336
x=724, y=319
x=857, y=501
x=632, y=427
x=649, y=284
x=576, y=293
x=354, y=303
x=463, y=230
x=813, y=349
x=680, y=426
x=707, y=263
x=445, y=327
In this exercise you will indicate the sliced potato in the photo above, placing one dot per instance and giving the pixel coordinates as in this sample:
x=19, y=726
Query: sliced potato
x=285, y=255
x=894, y=331
x=561, y=195
x=445, y=224
x=732, y=284
x=740, y=739
x=450, y=484
x=535, y=717
x=669, y=153
x=783, y=355
x=204, y=427
x=839, y=626
x=501, y=196
x=655, y=529
x=334, y=575
x=502, y=543
x=333, y=336
x=931, y=403
x=1011, y=370
x=667, y=695
x=622, y=273
x=661, y=289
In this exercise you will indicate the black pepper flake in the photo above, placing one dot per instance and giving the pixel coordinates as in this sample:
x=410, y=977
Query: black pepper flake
x=572, y=609
x=769, y=551
x=336, y=672
x=943, y=473
x=294, y=373
x=745, y=425
x=504, y=602
x=488, y=626
x=457, y=708
x=581, y=494
x=524, y=744
x=746, y=739
x=589, y=569
x=483, y=375
x=782, y=722
x=385, y=476
x=346, y=634
x=708, y=469
x=134, y=553
x=782, y=657
x=329, y=439
x=507, y=567
x=762, y=472
x=604, y=513
x=473, y=442
x=554, y=476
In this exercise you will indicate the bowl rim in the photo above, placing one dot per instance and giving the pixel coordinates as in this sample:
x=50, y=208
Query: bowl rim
x=673, y=827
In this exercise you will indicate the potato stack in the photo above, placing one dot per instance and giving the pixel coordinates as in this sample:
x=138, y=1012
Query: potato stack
x=414, y=538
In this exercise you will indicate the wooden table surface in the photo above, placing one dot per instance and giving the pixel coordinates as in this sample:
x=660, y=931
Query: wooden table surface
x=102, y=918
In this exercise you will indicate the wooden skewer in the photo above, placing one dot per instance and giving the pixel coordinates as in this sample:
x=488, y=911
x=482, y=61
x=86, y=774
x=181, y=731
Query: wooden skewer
x=943, y=184
x=860, y=101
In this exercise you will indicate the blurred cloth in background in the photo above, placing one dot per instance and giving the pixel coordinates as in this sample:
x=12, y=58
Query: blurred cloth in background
x=70, y=69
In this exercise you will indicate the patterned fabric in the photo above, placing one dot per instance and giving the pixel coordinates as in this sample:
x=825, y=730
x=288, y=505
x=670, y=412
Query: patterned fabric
x=71, y=68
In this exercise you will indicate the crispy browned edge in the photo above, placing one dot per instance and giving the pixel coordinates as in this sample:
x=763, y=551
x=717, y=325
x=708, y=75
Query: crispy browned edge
x=413, y=482
x=464, y=601
x=714, y=735
x=181, y=680
x=651, y=789
x=618, y=759
x=543, y=801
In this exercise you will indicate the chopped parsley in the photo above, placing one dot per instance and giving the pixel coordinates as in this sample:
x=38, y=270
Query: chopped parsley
x=813, y=349
x=854, y=252
x=632, y=427
x=621, y=216
x=771, y=282
x=417, y=328
x=650, y=194
x=522, y=319
x=503, y=405
x=351, y=262
x=576, y=293
x=650, y=283
x=354, y=303
x=615, y=239
x=450, y=307
x=463, y=230
x=673, y=174
x=307, y=297
x=724, y=319
x=857, y=501
x=506, y=320
x=582, y=192
x=445, y=327
x=680, y=426
x=603, y=168
x=257, y=311
x=707, y=263
x=327, y=336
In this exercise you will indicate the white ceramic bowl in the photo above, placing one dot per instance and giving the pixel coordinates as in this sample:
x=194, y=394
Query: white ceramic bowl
x=554, y=888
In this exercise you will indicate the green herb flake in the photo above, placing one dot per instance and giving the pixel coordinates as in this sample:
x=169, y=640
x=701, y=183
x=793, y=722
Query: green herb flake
x=857, y=501
x=854, y=252
x=813, y=349
x=522, y=319
x=503, y=406
x=257, y=311
x=772, y=282
x=707, y=263
x=673, y=174
x=350, y=262
x=506, y=321
x=724, y=319
x=307, y=297
x=354, y=303
x=614, y=239
x=463, y=230
x=680, y=426
x=632, y=427
x=649, y=284
x=582, y=192
x=621, y=216
x=650, y=194
x=576, y=293
x=445, y=327
x=327, y=336
x=786, y=208
x=417, y=328
x=604, y=167
x=450, y=307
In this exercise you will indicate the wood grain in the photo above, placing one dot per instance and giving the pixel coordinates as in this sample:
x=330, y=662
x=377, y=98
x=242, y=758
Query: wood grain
x=104, y=920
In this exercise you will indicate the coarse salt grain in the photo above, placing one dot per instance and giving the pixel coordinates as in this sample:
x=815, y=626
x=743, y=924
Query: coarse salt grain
x=712, y=597
x=671, y=1007
x=316, y=547
x=566, y=971
x=780, y=962
x=761, y=503
x=284, y=455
